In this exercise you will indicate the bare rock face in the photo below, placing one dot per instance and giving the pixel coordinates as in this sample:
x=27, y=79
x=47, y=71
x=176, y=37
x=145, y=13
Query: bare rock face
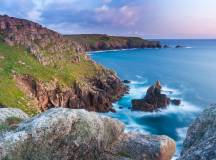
x=6, y=113
x=37, y=39
x=80, y=135
x=200, y=142
x=98, y=97
x=153, y=100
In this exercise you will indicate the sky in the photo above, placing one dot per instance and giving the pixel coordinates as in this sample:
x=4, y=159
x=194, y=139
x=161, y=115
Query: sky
x=156, y=19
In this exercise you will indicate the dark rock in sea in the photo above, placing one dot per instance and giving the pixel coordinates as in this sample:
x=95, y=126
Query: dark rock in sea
x=142, y=105
x=113, y=110
x=153, y=100
x=166, y=46
x=121, y=107
x=126, y=81
x=176, y=102
x=179, y=46
x=200, y=142
x=67, y=134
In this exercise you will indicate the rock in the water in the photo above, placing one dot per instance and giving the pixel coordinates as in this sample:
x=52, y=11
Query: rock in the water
x=126, y=81
x=176, y=102
x=68, y=134
x=6, y=113
x=166, y=46
x=200, y=142
x=179, y=46
x=153, y=100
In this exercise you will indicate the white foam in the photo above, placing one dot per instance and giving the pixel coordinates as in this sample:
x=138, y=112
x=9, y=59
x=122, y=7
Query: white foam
x=182, y=133
x=112, y=50
x=138, y=76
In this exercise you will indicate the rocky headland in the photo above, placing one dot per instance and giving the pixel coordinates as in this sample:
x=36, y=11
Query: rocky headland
x=200, y=142
x=69, y=134
x=41, y=68
x=153, y=100
x=97, y=42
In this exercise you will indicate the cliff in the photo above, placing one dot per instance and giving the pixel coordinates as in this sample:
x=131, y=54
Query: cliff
x=95, y=42
x=40, y=69
x=200, y=142
x=68, y=134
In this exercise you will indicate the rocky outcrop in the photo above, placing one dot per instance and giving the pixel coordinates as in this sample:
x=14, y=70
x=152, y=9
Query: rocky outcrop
x=6, y=113
x=37, y=39
x=77, y=134
x=200, y=142
x=98, y=97
x=95, y=42
x=153, y=100
x=94, y=92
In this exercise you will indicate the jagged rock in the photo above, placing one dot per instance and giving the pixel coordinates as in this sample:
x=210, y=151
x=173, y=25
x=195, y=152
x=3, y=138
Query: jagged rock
x=153, y=100
x=98, y=97
x=6, y=113
x=200, y=142
x=80, y=135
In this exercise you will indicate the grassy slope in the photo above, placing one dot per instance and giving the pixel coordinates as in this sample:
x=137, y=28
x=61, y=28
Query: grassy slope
x=17, y=60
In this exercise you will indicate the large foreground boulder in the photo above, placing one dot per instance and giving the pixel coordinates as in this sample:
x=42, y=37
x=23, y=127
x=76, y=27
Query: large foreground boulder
x=6, y=113
x=65, y=134
x=200, y=142
x=153, y=100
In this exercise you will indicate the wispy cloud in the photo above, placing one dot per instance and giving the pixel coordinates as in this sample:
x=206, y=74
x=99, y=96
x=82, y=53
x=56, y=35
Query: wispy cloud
x=126, y=17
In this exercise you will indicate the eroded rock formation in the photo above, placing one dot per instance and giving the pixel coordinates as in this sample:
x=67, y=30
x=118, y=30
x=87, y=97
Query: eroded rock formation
x=153, y=100
x=80, y=135
x=98, y=97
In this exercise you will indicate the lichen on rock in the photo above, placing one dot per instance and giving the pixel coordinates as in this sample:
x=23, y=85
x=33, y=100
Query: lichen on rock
x=68, y=134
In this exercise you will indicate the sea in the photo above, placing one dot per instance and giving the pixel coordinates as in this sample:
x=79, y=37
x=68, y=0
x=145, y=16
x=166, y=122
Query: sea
x=188, y=74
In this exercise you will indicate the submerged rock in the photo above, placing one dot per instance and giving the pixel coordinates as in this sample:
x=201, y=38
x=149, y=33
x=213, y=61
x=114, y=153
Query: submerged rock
x=200, y=142
x=80, y=135
x=153, y=100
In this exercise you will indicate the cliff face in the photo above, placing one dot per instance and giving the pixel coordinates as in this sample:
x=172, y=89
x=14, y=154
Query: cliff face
x=200, y=142
x=41, y=67
x=96, y=42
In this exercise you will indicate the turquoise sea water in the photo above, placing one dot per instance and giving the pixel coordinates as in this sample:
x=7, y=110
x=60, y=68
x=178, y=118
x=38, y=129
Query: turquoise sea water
x=186, y=73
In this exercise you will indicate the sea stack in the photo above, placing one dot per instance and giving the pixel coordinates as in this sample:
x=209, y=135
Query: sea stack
x=153, y=99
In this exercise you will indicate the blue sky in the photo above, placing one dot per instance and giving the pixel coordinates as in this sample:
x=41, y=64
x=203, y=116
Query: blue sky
x=145, y=18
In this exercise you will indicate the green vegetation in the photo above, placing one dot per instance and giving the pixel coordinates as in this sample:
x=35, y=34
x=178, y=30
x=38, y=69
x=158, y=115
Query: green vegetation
x=93, y=42
x=124, y=154
x=92, y=39
x=10, y=124
x=18, y=61
x=100, y=38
